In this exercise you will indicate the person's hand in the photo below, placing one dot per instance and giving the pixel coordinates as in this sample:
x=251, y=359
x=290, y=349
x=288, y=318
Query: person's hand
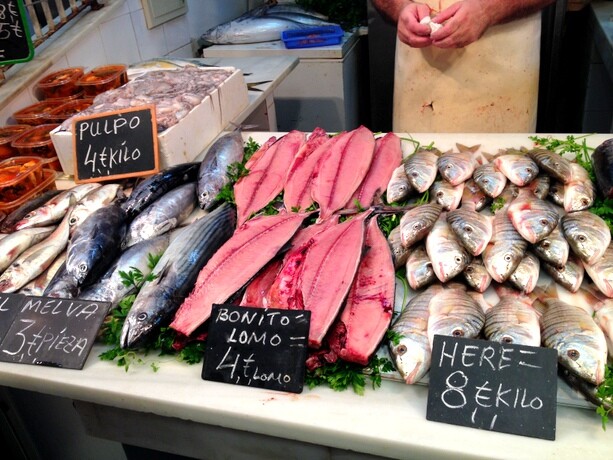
x=410, y=31
x=463, y=23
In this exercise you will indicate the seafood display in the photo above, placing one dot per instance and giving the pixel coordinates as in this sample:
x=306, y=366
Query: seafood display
x=492, y=245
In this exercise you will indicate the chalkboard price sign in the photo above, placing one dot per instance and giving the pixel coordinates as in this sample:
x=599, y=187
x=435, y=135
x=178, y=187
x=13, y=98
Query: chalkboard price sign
x=53, y=332
x=15, y=41
x=9, y=306
x=114, y=145
x=257, y=347
x=487, y=385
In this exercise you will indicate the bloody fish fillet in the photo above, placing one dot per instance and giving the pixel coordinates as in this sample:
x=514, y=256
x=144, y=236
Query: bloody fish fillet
x=267, y=176
x=370, y=303
x=297, y=188
x=255, y=293
x=251, y=247
x=342, y=169
x=386, y=158
x=329, y=268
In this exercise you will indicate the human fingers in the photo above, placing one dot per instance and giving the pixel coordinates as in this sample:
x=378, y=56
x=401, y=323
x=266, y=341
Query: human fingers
x=410, y=30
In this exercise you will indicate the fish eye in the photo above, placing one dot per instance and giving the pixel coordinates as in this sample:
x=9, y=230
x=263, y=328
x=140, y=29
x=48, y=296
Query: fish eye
x=72, y=221
x=585, y=202
x=573, y=354
x=545, y=244
x=29, y=215
x=529, y=170
x=417, y=226
x=544, y=221
x=400, y=349
x=440, y=194
x=142, y=316
x=82, y=267
x=457, y=333
x=468, y=229
x=414, y=174
x=508, y=258
x=486, y=181
x=469, y=270
x=507, y=339
x=458, y=259
x=582, y=238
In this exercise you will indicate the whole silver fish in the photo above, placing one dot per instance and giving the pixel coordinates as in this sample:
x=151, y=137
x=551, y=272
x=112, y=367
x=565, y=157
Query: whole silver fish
x=570, y=275
x=248, y=29
x=489, y=179
x=474, y=196
x=587, y=234
x=96, y=243
x=54, y=209
x=556, y=193
x=419, y=272
x=540, y=186
x=580, y=343
x=213, y=172
x=448, y=256
x=38, y=285
x=601, y=272
x=552, y=163
x=62, y=285
x=421, y=169
x=35, y=260
x=476, y=275
x=505, y=250
x=8, y=224
x=553, y=249
x=162, y=215
x=14, y=244
x=175, y=274
x=95, y=199
x=399, y=186
x=454, y=313
x=456, y=167
x=411, y=352
x=416, y=223
x=110, y=287
x=526, y=275
x=579, y=192
x=473, y=230
x=520, y=169
x=400, y=253
x=513, y=320
x=447, y=195
x=533, y=219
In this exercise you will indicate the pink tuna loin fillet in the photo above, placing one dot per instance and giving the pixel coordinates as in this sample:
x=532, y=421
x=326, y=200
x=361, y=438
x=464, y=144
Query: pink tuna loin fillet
x=342, y=169
x=387, y=157
x=267, y=176
x=283, y=292
x=257, y=289
x=251, y=247
x=329, y=268
x=297, y=188
x=250, y=163
x=370, y=302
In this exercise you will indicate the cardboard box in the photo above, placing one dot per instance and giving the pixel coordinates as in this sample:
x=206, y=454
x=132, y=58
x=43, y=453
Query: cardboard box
x=184, y=141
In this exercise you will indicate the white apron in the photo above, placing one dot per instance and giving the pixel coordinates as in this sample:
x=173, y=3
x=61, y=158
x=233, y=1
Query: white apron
x=490, y=85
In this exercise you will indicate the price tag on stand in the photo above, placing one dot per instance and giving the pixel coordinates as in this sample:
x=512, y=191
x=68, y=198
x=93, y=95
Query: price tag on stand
x=115, y=145
x=9, y=306
x=491, y=386
x=53, y=332
x=15, y=41
x=257, y=347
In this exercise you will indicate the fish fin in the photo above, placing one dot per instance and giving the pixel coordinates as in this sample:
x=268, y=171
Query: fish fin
x=165, y=226
x=465, y=148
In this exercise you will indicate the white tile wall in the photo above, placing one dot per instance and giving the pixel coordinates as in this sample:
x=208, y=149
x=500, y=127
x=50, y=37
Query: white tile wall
x=176, y=33
x=119, y=40
x=89, y=53
x=151, y=43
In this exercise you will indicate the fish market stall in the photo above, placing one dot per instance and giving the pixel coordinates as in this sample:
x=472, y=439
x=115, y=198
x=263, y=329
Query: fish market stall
x=173, y=409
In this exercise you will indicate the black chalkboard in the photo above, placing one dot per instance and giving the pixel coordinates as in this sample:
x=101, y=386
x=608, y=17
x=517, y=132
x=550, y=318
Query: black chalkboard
x=257, y=347
x=114, y=145
x=15, y=37
x=9, y=306
x=53, y=332
x=487, y=385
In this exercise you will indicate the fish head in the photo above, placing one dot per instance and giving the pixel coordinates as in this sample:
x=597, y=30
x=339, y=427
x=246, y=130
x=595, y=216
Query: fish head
x=477, y=276
x=578, y=196
x=501, y=260
x=397, y=191
x=32, y=218
x=585, y=355
x=136, y=328
x=450, y=264
x=9, y=281
x=554, y=249
x=518, y=334
x=411, y=355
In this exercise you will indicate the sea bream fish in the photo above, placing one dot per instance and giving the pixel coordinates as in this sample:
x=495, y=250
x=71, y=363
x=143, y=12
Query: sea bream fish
x=570, y=275
x=473, y=229
x=579, y=192
x=553, y=249
x=457, y=167
x=419, y=272
x=580, y=343
x=174, y=275
x=476, y=275
x=513, y=320
x=533, y=218
x=416, y=223
x=526, y=275
x=400, y=253
x=162, y=215
x=587, y=234
x=474, y=196
x=213, y=171
x=410, y=348
x=552, y=163
x=420, y=168
x=601, y=272
x=446, y=253
x=489, y=179
x=447, y=195
x=519, y=168
x=399, y=187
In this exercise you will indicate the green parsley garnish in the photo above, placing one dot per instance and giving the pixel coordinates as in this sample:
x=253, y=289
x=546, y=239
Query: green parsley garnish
x=605, y=393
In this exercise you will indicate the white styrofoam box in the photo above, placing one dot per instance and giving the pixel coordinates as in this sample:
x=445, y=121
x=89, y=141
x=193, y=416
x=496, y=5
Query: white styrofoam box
x=184, y=141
